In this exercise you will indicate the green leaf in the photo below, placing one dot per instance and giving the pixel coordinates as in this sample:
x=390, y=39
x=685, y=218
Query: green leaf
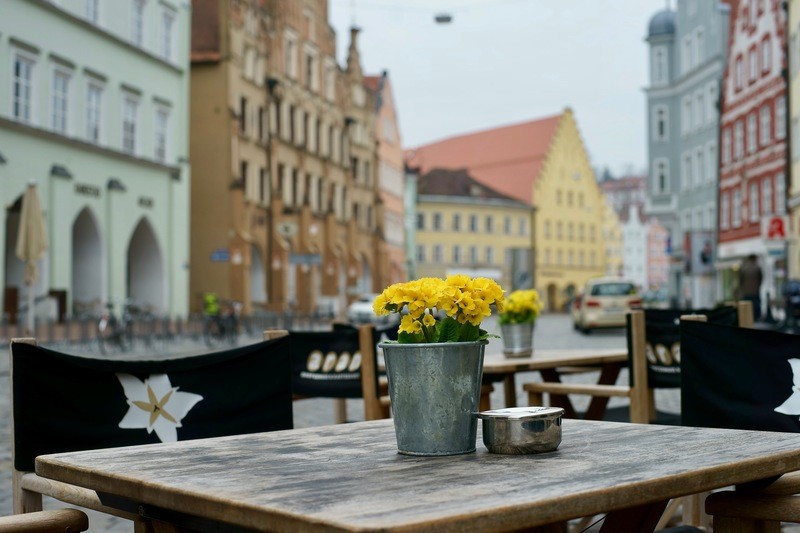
x=469, y=332
x=449, y=330
x=409, y=338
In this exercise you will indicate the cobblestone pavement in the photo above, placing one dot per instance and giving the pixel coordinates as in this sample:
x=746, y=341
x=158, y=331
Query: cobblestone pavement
x=552, y=331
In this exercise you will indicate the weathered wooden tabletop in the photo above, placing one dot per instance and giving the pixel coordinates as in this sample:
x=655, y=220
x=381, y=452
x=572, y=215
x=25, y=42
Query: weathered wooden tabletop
x=497, y=363
x=349, y=477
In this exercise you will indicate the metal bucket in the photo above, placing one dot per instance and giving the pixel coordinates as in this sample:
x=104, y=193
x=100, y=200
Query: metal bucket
x=517, y=339
x=435, y=391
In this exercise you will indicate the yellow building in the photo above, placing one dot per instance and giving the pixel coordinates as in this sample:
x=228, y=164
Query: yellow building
x=466, y=227
x=283, y=143
x=542, y=163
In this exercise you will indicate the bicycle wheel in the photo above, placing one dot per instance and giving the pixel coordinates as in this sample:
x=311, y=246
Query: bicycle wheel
x=212, y=332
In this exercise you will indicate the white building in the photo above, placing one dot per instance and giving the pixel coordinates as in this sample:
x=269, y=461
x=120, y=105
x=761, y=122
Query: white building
x=634, y=248
x=93, y=106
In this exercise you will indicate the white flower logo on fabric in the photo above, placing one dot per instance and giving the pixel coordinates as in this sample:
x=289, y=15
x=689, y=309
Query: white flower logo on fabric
x=792, y=405
x=155, y=404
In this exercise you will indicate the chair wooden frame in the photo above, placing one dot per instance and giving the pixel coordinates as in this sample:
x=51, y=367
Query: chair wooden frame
x=642, y=403
x=27, y=488
x=54, y=521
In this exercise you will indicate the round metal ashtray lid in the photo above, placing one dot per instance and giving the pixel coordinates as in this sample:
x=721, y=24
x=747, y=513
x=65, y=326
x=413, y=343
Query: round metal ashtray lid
x=523, y=413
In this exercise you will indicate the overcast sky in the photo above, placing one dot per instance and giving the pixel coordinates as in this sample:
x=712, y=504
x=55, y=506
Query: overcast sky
x=504, y=61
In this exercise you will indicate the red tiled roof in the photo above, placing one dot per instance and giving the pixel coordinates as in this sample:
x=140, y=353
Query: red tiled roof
x=508, y=159
x=205, y=31
x=456, y=182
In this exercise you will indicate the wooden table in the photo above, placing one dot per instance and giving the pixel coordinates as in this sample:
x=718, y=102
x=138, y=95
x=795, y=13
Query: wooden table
x=549, y=364
x=351, y=478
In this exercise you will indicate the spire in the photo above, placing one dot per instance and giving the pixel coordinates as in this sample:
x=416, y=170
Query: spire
x=353, y=57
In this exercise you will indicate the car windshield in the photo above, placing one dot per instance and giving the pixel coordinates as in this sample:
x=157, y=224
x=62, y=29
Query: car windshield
x=613, y=289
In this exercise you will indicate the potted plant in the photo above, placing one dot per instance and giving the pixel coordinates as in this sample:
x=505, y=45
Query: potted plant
x=517, y=320
x=435, y=366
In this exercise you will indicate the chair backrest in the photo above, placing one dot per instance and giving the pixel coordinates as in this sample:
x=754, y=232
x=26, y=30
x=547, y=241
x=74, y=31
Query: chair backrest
x=661, y=331
x=342, y=363
x=739, y=378
x=64, y=402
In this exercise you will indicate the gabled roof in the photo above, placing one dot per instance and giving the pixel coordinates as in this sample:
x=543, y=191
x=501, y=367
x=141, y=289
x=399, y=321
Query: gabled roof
x=508, y=158
x=372, y=82
x=456, y=182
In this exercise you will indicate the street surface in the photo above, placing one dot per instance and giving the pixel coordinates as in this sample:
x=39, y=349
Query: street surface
x=552, y=331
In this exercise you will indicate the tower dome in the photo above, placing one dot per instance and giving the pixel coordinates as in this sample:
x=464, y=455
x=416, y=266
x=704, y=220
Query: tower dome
x=662, y=23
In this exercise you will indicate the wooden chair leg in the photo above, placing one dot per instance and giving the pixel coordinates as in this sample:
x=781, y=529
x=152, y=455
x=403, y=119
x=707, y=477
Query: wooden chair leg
x=731, y=524
x=694, y=513
x=535, y=398
x=340, y=410
x=23, y=501
x=485, y=400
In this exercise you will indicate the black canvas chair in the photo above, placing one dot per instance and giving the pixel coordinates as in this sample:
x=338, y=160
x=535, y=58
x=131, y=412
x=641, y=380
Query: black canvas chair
x=653, y=338
x=341, y=364
x=64, y=403
x=744, y=379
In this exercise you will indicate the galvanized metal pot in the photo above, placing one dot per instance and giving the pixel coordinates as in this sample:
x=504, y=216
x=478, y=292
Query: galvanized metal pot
x=435, y=390
x=517, y=339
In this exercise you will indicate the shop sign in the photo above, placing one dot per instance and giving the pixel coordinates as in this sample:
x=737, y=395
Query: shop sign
x=775, y=228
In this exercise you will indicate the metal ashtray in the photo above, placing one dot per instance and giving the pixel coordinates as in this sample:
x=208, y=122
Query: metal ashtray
x=521, y=430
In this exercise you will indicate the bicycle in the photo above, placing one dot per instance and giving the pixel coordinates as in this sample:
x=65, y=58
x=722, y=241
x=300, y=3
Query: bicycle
x=222, y=327
x=113, y=332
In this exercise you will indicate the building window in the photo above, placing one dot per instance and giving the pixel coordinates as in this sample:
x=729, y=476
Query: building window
x=766, y=55
x=711, y=103
x=489, y=255
x=699, y=167
x=686, y=115
x=686, y=54
x=711, y=162
x=766, y=125
x=686, y=171
x=167, y=33
x=661, y=124
x=473, y=255
x=699, y=109
x=661, y=176
x=699, y=46
x=507, y=225
x=437, y=253
x=523, y=226
x=546, y=229
x=242, y=115
x=264, y=193
x=724, y=210
x=737, y=208
x=766, y=196
x=780, y=117
x=421, y=253
x=330, y=79
x=161, y=134
x=738, y=140
x=658, y=74
x=243, y=177
x=137, y=22
x=473, y=223
x=489, y=224
x=559, y=230
x=23, y=87
x=421, y=221
x=752, y=133
x=437, y=222
x=94, y=106
x=290, y=54
x=91, y=11
x=457, y=254
x=130, y=116
x=726, y=146
x=59, y=111
x=456, y=222
x=752, y=62
x=738, y=73
x=753, y=203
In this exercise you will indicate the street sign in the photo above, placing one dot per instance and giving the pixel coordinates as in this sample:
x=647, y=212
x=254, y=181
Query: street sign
x=305, y=259
x=220, y=255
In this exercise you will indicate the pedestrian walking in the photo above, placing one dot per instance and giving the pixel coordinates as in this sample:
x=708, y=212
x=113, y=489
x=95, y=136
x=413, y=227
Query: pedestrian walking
x=750, y=278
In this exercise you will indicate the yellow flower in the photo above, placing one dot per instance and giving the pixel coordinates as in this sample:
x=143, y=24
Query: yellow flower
x=429, y=320
x=409, y=325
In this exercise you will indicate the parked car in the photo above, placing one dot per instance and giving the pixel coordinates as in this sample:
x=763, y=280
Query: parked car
x=360, y=312
x=603, y=304
x=657, y=299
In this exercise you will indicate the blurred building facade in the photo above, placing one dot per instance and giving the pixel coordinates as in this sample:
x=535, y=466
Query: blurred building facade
x=687, y=59
x=612, y=240
x=465, y=227
x=793, y=201
x=284, y=143
x=542, y=163
x=752, y=192
x=101, y=124
x=390, y=211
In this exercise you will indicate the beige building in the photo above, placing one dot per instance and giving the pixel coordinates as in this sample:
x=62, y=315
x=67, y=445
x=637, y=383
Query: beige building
x=543, y=164
x=612, y=239
x=390, y=238
x=466, y=227
x=283, y=201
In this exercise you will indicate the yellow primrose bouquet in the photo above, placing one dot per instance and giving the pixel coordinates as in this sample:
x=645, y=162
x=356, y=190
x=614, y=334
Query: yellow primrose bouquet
x=522, y=306
x=461, y=302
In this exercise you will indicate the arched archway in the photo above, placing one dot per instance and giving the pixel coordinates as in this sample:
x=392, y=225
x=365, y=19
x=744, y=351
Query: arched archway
x=88, y=273
x=552, y=297
x=146, y=285
x=258, y=278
